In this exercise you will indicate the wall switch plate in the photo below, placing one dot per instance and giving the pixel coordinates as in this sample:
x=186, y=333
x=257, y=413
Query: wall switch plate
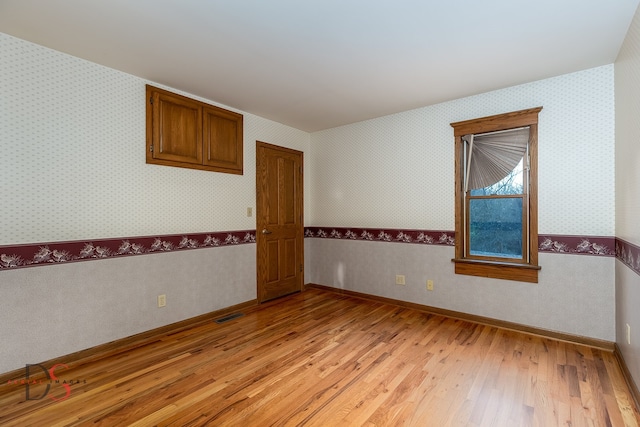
x=162, y=300
x=429, y=285
x=399, y=279
x=249, y=211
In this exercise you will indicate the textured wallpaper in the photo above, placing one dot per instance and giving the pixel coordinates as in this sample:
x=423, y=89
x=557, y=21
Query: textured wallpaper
x=627, y=76
x=627, y=134
x=72, y=163
x=72, y=138
x=397, y=171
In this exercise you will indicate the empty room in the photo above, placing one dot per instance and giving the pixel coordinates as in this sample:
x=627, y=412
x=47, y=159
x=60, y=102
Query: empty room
x=357, y=213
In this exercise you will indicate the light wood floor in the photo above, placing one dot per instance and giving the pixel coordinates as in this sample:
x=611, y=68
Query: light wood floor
x=325, y=359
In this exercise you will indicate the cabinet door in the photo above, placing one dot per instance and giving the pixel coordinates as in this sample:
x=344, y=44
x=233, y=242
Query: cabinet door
x=222, y=139
x=177, y=129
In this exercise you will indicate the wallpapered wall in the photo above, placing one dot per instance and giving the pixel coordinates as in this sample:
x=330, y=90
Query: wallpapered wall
x=73, y=132
x=72, y=167
x=397, y=171
x=627, y=76
x=72, y=138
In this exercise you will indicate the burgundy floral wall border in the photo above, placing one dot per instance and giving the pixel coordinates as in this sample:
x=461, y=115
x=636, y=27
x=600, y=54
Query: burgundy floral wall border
x=581, y=245
x=585, y=245
x=428, y=237
x=628, y=254
x=29, y=255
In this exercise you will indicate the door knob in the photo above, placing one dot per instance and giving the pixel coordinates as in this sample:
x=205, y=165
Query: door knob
x=265, y=231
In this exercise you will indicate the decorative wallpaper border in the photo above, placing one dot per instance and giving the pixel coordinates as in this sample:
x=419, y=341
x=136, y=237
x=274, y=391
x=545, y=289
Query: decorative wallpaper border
x=580, y=245
x=383, y=235
x=547, y=243
x=628, y=254
x=584, y=245
x=29, y=255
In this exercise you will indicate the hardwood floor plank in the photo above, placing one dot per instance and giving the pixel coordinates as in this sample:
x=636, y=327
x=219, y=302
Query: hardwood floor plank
x=325, y=359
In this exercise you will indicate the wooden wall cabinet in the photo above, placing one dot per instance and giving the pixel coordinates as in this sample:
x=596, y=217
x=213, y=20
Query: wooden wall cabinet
x=187, y=133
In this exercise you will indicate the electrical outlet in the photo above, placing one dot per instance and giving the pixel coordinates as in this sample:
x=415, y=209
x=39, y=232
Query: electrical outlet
x=628, y=334
x=399, y=279
x=162, y=300
x=429, y=285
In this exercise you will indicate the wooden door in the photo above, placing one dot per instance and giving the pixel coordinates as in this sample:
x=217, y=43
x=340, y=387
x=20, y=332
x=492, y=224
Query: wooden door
x=279, y=223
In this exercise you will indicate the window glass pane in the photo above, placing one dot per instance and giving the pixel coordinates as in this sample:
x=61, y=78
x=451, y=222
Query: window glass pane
x=495, y=227
x=510, y=184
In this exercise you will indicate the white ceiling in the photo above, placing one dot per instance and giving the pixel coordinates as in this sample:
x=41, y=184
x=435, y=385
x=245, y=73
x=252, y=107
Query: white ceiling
x=318, y=64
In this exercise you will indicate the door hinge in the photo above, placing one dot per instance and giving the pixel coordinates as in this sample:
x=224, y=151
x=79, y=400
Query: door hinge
x=151, y=148
x=151, y=100
x=300, y=268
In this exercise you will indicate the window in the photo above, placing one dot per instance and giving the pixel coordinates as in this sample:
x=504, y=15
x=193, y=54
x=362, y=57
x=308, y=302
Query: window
x=496, y=196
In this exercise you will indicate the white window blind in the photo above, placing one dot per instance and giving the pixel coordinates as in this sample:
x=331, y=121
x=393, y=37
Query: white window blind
x=492, y=156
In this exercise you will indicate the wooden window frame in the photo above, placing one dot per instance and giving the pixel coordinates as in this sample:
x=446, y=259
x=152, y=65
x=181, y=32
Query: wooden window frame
x=520, y=270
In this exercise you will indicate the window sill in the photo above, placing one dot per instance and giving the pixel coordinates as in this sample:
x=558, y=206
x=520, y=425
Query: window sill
x=497, y=270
